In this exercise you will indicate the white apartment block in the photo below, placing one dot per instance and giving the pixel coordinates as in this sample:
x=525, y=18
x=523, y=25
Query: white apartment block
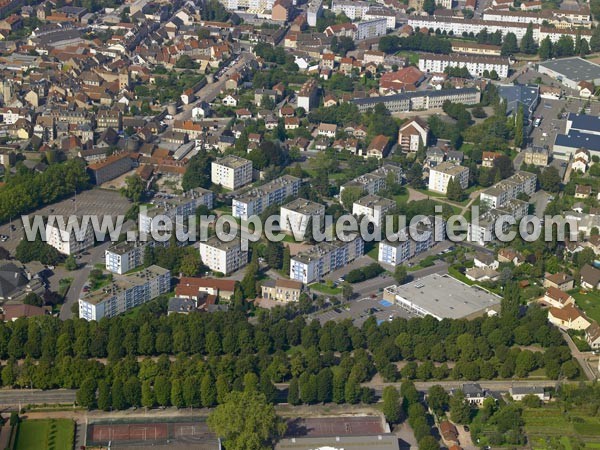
x=125, y=256
x=308, y=95
x=440, y=176
x=311, y=265
x=231, y=172
x=125, y=292
x=509, y=189
x=412, y=241
x=224, y=257
x=373, y=182
x=373, y=207
x=181, y=207
x=420, y=100
x=257, y=5
x=483, y=229
x=314, y=11
x=256, y=200
x=368, y=29
x=476, y=65
x=297, y=216
x=70, y=237
x=382, y=13
x=353, y=9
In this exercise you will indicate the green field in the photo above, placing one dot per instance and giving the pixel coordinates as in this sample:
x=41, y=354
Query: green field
x=320, y=287
x=549, y=428
x=589, y=302
x=48, y=434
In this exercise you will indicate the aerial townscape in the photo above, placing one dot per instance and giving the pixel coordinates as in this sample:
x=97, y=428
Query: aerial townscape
x=300, y=224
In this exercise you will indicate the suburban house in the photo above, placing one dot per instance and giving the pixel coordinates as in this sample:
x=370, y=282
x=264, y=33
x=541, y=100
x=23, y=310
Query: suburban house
x=569, y=318
x=560, y=280
x=518, y=392
x=592, y=336
x=590, y=277
x=557, y=298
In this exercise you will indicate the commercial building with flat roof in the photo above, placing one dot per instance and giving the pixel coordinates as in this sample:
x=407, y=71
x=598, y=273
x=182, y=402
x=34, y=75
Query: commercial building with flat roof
x=375, y=442
x=254, y=201
x=443, y=297
x=571, y=71
x=124, y=292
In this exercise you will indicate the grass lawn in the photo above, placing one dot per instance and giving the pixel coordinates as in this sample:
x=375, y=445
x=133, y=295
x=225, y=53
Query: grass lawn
x=320, y=287
x=589, y=302
x=548, y=426
x=50, y=434
x=374, y=253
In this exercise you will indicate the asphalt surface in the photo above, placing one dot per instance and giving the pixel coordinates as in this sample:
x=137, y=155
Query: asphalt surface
x=23, y=397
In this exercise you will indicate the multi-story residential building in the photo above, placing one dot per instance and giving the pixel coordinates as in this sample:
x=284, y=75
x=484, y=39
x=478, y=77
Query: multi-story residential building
x=538, y=156
x=353, y=9
x=420, y=100
x=70, y=237
x=369, y=29
x=483, y=229
x=108, y=118
x=282, y=290
x=231, y=172
x=413, y=134
x=373, y=182
x=314, y=11
x=180, y=207
x=373, y=207
x=308, y=95
x=125, y=256
x=297, y=216
x=475, y=64
x=509, y=189
x=411, y=241
x=313, y=264
x=111, y=168
x=124, y=292
x=223, y=257
x=475, y=49
x=440, y=176
x=378, y=12
x=256, y=200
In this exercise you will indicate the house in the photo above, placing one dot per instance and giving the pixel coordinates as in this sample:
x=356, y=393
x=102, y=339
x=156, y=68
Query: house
x=474, y=393
x=582, y=191
x=586, y=89
x=229, y=100
x=191, y=287
x=592, y=335
x=14, y=312
x=557, y=298
x=291, y=123
x=519, y=392
x=327, y=129
x=560, y=280
x=413, y=134
x=488, y=158
x=590, y=277
x=569, y=318
x=378, y=147
x=481, y=274
x=579, y=165
x=282, y=290
x=485, y=261
x=243, y=114
x=405, y=79
x=508, y=255
x=329, y=101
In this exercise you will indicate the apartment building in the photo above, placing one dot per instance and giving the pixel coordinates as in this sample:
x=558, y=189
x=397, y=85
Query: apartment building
x=353, y=9
x=231, y=172
x=378, y=12
x=256, y=200
x=223, y=257
x=372, y=28
x=125, y=256
x=308, y=95
x=125, y=292
x=475, y=49
x=411, y=241
x=373, y=207
x=475, y=64
x=314, y=11
x=457, y=26
x=413, y=134
x=420, y=100
x=180, y=207
x=509, y=189
x=111, y=168
x=282, y=290
x=313, y=264
x=483, y=230
x=70, y=237
x=373, y=182
x=440, y=176
x=538, y=156
x=299, y=215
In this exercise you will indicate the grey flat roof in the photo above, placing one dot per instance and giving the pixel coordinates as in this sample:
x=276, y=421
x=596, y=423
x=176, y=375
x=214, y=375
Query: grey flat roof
x=575, y=68
x=409, y=95
x=376, y=442
x=443, y=296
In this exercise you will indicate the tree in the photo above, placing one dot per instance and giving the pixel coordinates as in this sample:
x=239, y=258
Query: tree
x=347, y=291
x=148, y=399
x=118, y=395
x=293, y=392
x=177, y=393
x=460, y=411
x=429, y=443
x=162, y=390
x=429, y=6
x=133, y=391
x=86, y=394
x=70, y=263
x=248, y=283
x=33, y=299
x=550, y=179
x=285, y=266
x=190, y=264
x=454, y=191
x=400, y=274
x=208, y=391
x=528, y=44
x=519, y=120
x=509, y=46
x=545, y=50
x=438, y=399
x=134, y=188
x=564, y=47
x=246, y=421
x=595, y=40
x=104, y=398
x=392, y=406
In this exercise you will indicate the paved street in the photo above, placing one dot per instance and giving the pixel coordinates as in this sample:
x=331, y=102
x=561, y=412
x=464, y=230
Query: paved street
x=23, y=397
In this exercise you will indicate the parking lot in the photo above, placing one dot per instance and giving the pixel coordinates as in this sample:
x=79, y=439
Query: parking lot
x=93, y=202
x=360, y=310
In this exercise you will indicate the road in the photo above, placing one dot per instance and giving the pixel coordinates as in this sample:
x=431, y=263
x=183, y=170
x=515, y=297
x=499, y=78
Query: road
x=209, y=92
x=579, y=356
x=23, y=397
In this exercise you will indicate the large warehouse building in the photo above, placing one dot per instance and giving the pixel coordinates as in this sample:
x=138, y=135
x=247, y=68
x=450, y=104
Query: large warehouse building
x=571, y=71
x=443, y=297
